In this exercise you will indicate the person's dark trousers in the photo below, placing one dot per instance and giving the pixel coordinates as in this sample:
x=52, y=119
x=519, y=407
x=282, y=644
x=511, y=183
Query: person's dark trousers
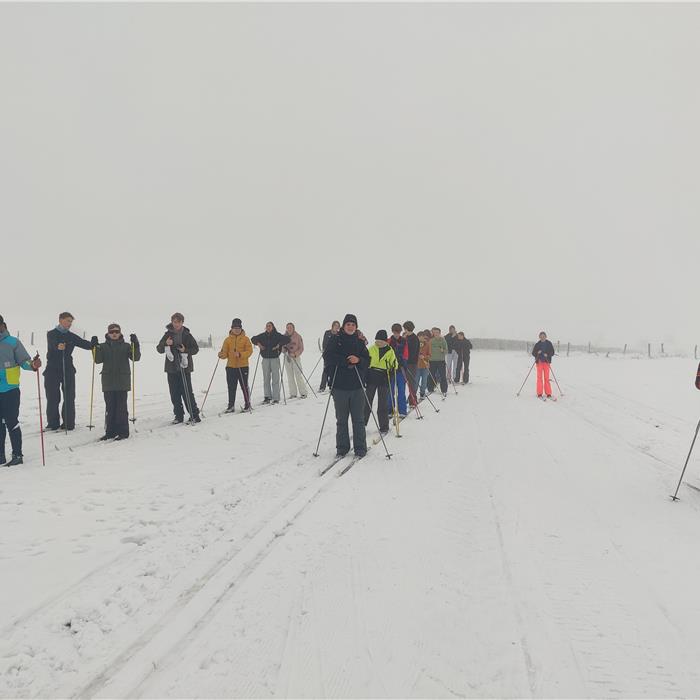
x=382, y=391
x=116, y=413
x=53, y=385
x=350, y=404
x=410, y=373
x=177, y=394
x=9, y=421
x=326, y=379
x=236, y=376
x=463, y=365
x=438, y=370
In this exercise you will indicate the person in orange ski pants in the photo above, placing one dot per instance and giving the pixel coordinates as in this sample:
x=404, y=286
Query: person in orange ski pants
x=543, y=352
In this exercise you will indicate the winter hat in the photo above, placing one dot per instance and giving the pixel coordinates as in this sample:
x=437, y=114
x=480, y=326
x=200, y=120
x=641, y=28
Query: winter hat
x=381, y=335
x=350, y=318
x=236, y=323
x=2, y=321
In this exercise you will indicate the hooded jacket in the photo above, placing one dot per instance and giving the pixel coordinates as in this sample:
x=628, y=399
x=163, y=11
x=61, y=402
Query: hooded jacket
x=191, y=348
x=336, y=362
x=543, y=351
x=295, y=346
x=236, y=343
x=271, y=342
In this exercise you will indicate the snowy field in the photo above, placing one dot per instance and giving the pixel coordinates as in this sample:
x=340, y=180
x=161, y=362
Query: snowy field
x=511, y=547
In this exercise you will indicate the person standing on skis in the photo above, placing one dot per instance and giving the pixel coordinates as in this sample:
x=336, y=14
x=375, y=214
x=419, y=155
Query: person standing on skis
x=398, y=387
x=413, y=344
x=59, y=375
x=293, y=351
x=13, y=359
x=382, y=365
x=270, y=343
x=543, y=351
x=236, y=350
x=327, y=336
x=115, y=355
x=179, y=345
x=347, y=360
x=463, y=346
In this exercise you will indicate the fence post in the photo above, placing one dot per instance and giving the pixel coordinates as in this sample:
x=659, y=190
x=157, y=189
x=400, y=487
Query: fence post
x=589, y=347
x=624, y=350
x=32, y=343
x=568, y=347
x=696, y=352
x=662, y=348
x=557, y=347
x=649, y=349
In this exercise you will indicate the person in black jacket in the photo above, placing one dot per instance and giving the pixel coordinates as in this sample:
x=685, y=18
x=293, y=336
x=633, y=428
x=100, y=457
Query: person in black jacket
x=59, y=375
x=463, y=346
x=413, y=343
x=115, y=356
x=330, y=333
x=270, y=344
x=347, y=360
x=543, y=351
x=179, y=345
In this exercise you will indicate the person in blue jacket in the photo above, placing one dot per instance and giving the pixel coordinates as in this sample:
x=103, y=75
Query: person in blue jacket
x=13, y=359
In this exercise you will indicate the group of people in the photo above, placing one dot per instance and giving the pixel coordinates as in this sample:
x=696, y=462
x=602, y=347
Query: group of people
x=394, y=365
x=400, y=369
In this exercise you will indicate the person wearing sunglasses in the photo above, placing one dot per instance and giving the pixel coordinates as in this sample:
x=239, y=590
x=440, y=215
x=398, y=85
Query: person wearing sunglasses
x=115, y=356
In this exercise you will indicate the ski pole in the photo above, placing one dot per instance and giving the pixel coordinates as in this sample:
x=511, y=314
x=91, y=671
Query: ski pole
x=437, y=410
x=394, y=398
x=65, y=408
x=255, y=373
x=284, y=393
x=294, y=359
x=412, y=394
x=526, y=378
x=315, y=366
x=133, y=384
x=695, y=437
x=216, y=366
x=41, y=417
x=555, y=380
x=371, y=410
x=396, y=401
x=92, y=389
x=328, y=403
x=246, y=392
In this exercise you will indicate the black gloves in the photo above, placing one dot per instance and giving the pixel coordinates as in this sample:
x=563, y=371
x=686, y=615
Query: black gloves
x=134, y=339
x=94, y=342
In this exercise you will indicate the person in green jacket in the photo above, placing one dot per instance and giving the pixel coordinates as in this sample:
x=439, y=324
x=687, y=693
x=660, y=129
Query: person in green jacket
x=438, y=369
x=115, y=356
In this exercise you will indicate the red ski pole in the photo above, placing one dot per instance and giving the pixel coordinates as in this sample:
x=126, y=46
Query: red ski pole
x=41, y=417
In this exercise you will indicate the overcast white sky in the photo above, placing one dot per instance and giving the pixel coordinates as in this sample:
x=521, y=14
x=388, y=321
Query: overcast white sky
x=505, y=168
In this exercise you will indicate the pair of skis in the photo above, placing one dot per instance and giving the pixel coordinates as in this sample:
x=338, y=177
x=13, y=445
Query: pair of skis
x=336, y=460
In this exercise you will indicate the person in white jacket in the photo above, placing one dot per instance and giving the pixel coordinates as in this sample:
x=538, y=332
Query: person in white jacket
x=293, y=351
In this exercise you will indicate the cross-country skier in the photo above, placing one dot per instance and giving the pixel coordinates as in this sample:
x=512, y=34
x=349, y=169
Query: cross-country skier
x=13, y=359
x=236, y=350
x=451, y=355
x=398, y=385
x=292, y=352
x=413, y=344
x=380, y=375
x=543, y=351
x=270, y=344
x=438, y=351
x=463, y=347
x=333, y=330
x=347, y=360
x=115, y=356
x=179, y=345
x=59, y=375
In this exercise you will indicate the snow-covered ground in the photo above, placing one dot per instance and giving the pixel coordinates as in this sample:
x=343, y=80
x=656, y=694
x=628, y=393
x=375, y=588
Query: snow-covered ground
x=510, y=547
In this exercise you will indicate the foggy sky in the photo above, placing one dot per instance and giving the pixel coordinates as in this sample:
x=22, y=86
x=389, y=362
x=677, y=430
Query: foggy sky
x=506, y=168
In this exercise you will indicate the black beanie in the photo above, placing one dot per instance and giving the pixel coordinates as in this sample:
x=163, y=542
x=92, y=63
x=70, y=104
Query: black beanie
x=236, y=323
x=381, y=335
x=350, y=318
x=2, y=321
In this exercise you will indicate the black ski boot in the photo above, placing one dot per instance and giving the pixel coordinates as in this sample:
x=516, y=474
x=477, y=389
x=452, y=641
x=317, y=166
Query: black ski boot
x=3, y=459
x=178, y=419
x=16, y=459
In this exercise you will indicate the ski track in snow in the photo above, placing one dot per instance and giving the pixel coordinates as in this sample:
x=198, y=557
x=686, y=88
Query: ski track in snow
x=509, y=548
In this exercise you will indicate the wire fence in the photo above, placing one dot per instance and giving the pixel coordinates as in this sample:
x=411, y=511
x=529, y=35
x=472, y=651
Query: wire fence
x=652, y=350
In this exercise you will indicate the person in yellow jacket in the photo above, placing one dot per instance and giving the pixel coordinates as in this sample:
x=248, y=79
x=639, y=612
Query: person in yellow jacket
x=236, y=349
x=382, y=365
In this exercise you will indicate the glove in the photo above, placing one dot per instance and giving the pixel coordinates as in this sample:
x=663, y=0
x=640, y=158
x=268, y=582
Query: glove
x=94, y=342
x=134, y=339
